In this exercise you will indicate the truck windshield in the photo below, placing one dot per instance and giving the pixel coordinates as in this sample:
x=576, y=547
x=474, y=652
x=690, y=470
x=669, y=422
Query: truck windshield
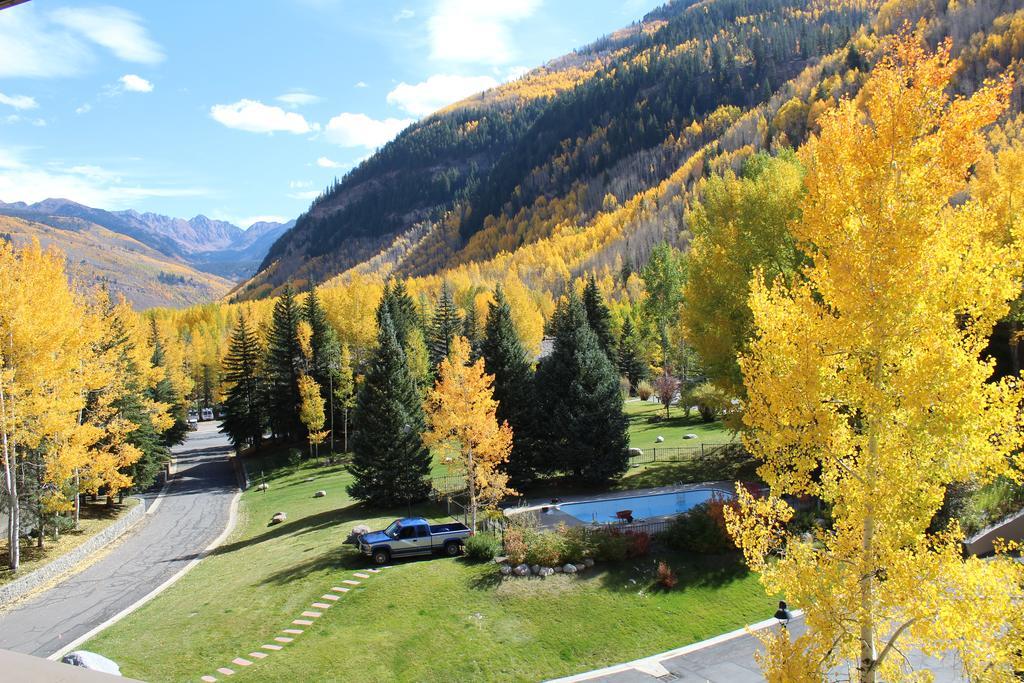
x=393, y=529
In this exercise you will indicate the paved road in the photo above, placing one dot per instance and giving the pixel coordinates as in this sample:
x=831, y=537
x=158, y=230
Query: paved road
x=191, y=514
x=732, y=661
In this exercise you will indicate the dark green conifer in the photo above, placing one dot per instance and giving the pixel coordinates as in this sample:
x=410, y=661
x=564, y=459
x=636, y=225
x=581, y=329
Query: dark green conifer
x=583, y=430
x=283, y=364
x=244, y=413
x=445, y=325
x=632, y=366
x=164, y=392
x=599, y=317
x=389, y=461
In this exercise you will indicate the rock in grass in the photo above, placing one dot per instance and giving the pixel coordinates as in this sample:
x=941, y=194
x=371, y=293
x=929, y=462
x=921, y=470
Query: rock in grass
x=659, y=439
x=505, y=569
x=589, y=562
x=689, y=436
x=278, y=518
x=558, y=570
x=636, y=452
x=580, y=567
x=535, y=569
x=545, y=571
x=320, y=494
x=521, y=569
x=570, y=569
x=262, y=487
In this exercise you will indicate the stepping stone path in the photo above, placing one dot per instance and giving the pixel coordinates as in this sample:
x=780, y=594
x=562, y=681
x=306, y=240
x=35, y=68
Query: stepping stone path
x=242, y=661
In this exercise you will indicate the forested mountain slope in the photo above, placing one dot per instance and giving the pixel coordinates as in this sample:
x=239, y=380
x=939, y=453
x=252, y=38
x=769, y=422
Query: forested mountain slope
x=101, y=257
x=594, y=158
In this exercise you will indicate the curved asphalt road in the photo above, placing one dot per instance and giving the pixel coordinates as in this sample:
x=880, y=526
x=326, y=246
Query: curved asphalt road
x=191, y=514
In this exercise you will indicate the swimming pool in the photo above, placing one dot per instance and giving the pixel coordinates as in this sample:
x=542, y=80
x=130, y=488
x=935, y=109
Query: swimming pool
x=642, y=507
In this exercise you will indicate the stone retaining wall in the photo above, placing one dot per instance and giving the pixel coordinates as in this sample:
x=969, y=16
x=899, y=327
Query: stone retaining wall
x=19, y=587
x=1009, y=528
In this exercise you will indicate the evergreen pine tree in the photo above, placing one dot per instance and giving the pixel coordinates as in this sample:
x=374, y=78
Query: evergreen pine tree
x=631, y=364
x=584, y=428
x=506, y=358
x=445, y=326
x=389, y=461
x=283, y=363
x=471, y=331
x=244, y=414
x=164, y=392
x=599, y=317
x=402, y=309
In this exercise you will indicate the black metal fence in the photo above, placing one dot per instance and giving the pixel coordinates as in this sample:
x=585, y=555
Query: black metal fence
x=649, y=456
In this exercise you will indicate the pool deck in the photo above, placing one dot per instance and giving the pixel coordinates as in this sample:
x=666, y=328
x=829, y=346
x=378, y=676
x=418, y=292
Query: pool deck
x=552, y=518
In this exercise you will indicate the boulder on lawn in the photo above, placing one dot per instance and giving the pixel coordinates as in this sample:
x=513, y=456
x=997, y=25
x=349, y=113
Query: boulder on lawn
x=689, y=436
x=320, y=494
x=278, y=518
x=580, y=567
x=309, y=479
x=659, y=439
x=570, y=569
x=505, y=569
x=545, y=571
x=589, y=562
x=262, y=487
x=535, y=569
x=636, y=452
x=558, y=570
x=521, y=569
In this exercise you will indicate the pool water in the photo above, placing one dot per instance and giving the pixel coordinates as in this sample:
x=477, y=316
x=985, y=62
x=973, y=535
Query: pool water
x=642, y=507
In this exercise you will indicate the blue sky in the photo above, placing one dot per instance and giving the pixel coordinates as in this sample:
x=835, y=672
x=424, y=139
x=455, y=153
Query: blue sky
x=244, y=111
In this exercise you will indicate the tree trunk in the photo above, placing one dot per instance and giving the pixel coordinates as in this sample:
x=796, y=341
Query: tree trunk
x=868, y=655
x=345, y=427
x=11, y=486
x=472, y=490
x=330, y=381
x=78, y=498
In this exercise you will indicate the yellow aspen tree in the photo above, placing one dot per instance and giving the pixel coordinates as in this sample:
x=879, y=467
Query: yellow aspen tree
x=867, y=388
x=41, y=378
x=311, y=410
x=461, y=412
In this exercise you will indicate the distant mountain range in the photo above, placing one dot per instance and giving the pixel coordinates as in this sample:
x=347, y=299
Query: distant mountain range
x=205, y=244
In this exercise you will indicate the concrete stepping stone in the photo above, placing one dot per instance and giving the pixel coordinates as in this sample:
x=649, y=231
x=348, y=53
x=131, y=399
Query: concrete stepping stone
x=257, y=655
x=328, y=596
x=226, y=671
x=350, y=582
x=241, y=661
x=321, y=605
x=271, y=647
x=315, y=615
x=293, y=631
x=208, y=679
x=302, y=622
x=361, y=575
x=339, y=589
x=283, y=639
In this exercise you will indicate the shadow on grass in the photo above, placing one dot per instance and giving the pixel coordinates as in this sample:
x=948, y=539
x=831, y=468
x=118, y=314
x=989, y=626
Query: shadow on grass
x=692, y=571
x=729, y=464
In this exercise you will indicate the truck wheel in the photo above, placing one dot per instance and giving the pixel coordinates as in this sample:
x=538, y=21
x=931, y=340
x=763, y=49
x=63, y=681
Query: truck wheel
x=452, y=548
x=381, y=556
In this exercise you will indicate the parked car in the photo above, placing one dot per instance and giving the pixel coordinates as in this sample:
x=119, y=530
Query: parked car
x=91, y=661
x=206, y=414
x=413, y=536
x=193, y=422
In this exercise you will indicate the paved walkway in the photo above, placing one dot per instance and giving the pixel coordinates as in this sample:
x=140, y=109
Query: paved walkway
x=727, y=660
x=190, y=515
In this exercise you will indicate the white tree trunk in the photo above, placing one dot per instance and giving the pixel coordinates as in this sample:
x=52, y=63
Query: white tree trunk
x=472, y=490
x=10, y=485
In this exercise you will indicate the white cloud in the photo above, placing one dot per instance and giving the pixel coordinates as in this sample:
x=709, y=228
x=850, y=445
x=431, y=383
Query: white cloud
x=116, y=29
x=361, y=84
x=133, y=83
x=359, y=130
x=18, y=101
x=298, y=99
x=476, y=32
x=308, y=194
x=35, y=44
x=256, y=117
x=90, y=185
x=437, y=91
x=83, y=108
x=404, y=14
x=324, y=162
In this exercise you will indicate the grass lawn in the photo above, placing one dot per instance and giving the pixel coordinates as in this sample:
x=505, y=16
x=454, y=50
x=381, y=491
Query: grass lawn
x=95, y=518
x=432, y=619
x=643, y=432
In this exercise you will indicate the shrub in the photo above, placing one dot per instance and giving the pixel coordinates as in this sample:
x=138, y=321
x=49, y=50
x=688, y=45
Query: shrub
x=577, y=543
x=482, y=547
x=545, y=549
x=639, y=544
x=611, y=546
x=625, y=388
x=710, y=401
x=699, y=531
x=666, y=577
x=515, y=545
x=294, y=456
x=644, y=390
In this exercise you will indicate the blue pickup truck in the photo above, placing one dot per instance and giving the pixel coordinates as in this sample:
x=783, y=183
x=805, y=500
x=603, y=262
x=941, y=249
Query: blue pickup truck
x=413, y=536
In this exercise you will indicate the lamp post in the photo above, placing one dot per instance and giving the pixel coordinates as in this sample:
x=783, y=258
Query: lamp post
x=783, y=614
